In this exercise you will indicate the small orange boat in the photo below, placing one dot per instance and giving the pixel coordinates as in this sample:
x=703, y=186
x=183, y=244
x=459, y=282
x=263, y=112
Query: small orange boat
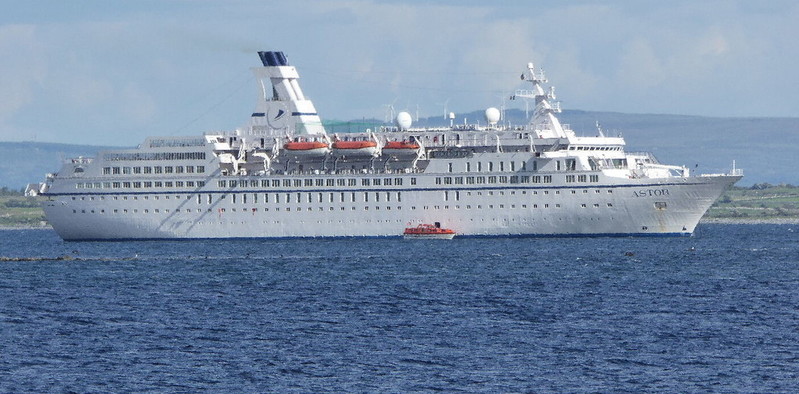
x=428, y=231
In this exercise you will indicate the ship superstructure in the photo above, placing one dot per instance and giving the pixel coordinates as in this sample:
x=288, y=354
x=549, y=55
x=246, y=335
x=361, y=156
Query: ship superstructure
x=284, y=175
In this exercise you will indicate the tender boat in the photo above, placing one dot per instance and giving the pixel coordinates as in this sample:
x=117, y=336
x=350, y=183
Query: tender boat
x=428, y=231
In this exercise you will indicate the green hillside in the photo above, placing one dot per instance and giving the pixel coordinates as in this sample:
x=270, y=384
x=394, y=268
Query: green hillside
x=17, y=210
x=761, y=201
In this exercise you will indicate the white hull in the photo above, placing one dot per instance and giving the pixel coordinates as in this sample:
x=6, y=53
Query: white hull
x=622, y=209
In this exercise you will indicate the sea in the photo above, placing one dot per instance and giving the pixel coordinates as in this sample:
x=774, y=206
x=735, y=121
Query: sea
x=717, y=312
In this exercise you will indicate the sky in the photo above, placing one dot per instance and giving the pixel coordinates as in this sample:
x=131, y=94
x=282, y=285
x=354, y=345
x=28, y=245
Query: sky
x=113, y=72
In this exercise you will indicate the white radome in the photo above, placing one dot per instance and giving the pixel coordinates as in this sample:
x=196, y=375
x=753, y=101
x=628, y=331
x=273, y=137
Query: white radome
x=404, y=120
x=492, y=116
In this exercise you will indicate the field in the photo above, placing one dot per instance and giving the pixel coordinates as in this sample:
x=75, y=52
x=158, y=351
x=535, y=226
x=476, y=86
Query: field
x=757, y=203
x=760, y=202
x=20, y=211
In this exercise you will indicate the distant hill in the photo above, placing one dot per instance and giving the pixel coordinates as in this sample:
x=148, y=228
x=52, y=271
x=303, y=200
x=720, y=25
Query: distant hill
x=765, y=148
x=27, y=162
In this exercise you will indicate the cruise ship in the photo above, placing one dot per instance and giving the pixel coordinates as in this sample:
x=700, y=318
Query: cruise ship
x=284, y=175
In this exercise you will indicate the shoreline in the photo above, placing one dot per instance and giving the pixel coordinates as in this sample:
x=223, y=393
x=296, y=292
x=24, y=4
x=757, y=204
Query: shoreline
x=702, y=221
x=749, y=221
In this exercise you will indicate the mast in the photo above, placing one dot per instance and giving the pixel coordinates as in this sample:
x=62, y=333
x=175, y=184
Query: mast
x=544, y=121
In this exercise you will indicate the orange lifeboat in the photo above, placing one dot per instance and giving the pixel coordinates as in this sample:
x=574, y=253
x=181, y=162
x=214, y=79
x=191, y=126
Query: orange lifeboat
x=428, y=231
x=355, y=148
x=353, y=144
x=401, y=145
x=307, y=148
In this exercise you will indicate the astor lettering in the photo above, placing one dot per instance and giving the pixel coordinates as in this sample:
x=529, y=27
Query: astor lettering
x=650, y=192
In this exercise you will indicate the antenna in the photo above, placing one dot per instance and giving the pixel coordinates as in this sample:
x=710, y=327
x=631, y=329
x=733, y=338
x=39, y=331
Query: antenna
x=599, y=128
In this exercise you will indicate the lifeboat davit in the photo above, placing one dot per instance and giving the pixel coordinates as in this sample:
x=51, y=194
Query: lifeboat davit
x=428, y=231
x=307, y=148
x=354, y=148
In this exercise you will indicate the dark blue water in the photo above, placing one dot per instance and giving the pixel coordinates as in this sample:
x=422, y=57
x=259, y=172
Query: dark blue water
x=717, y=312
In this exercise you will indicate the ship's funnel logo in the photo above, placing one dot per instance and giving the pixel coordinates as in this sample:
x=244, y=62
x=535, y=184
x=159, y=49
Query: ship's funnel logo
x=277, y=116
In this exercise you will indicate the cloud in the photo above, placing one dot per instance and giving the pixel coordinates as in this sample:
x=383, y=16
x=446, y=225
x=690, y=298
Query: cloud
x=142, y=70
x=22, y=69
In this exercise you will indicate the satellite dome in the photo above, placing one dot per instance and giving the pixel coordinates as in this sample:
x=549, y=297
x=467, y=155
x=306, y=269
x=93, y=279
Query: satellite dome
x=492, y=116
x=404, y=120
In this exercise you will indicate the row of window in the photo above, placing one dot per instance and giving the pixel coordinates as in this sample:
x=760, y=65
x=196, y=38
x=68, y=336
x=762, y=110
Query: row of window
x=595, y=148
x=311, y=182
x=177, y=142
x=457, y=193
x=138, y=184
x=153, y=170
x=299, y=197
x=511, y=166
x=154, y=156
x=582, y=178
x=479, y=180
x=330, y=208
